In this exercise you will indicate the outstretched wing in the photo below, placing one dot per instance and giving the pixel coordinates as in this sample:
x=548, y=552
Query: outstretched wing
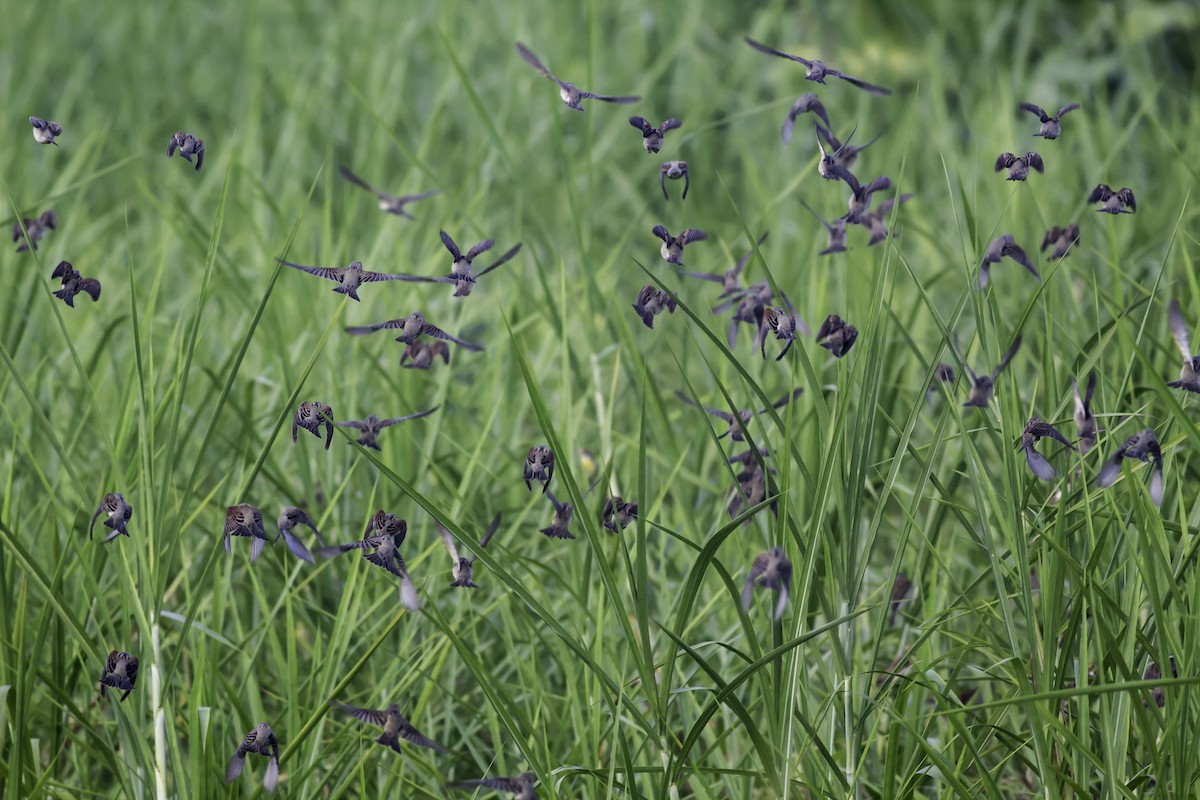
x=535, y=62
x=771, y=51
x=367, y=715
x=504, y=259
x=359, y=330
x=623, y=100
x=387, y=423
x=1036, y=110
x=859, y=82
x=491, y=531
x=321, y=272
x=725, y=415
x=1179, y=330
x=1012, y=351
x=448, y=540
x=357, y=181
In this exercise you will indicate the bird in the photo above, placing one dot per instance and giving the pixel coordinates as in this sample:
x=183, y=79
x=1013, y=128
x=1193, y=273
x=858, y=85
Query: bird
x=1189, y=373
x=1121, y=201
x=1050, y=128
x=262, y=741
x=1000, y=247
x=520, y=786
x=771, y=570
x=463, y=568
x=384, y=534
x=804, y=103
x=843, y=156
x=571, y=94
x=460, y=271
x=246, y=520
x=860, y=196
x=876, y=221
x=36, y=228
x=116, y=512
x=539, y=466
x=783, y=322
x=836, y=335
x=731, y=279
x=289, y=518
x=983, y=386
x=737, y=421
x=1035, y=430
x=44, y=131
x=749, y=302
x=1154, y=672
x=410, y=328
x=618, y=513
x=753, y=485
x=1062, y=239
x=902, y=591
x=73, y=283
x=652, y=137
x=1085, y=422
x=672, y=246
x=348, y=278
x=420, y=355
x=563, y=512
x=371, y=425
x=395, y=726
x=387, y=202
x=188, y=146
x=1144, y=447
x=942, y=373
x=650, y=302
x=817, y=71
x=674, y=170
x=120, y=672
x=1018, y=166
x=836, y=231
x=311, y=416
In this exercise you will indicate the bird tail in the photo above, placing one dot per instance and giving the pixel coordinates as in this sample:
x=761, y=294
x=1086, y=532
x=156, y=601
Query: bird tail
x=66, y=297
x=114, y=682
x=465, y=583
x=348, y=291
x=389, y=740
x=556, y=533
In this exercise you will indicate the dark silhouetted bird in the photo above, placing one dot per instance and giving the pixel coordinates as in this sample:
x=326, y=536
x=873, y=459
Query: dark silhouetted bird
x=521, y=786
x=860, y=196
x=44, y=131
x=116, y=513
x=120, y=672
x=805, y=103
x=262, y=741
x=817, y=71
x=1121, y=201
x=771, y=570
x=1035, y=430
x=836, y=231
x=289, y=518
x=983, y=386
x=73, y=283
x=652, y=137
x=420, y=355
x=876, y=222
x=836, y=335
x=618, y=513
x=1050, y=128
x=737, y=421
x=371, y=426
x=731, y=280
x=463, y=568
x=1061, y=239
x=410, y=328
x=1018, y=166
x=395, y=726
x=189, y=147
x=1000, y=247
x=36, y=228
x=1142, y=446
x=539, y=466
x=652, y=301
x=311, y=416
x=1085, y=422
x=843, y=156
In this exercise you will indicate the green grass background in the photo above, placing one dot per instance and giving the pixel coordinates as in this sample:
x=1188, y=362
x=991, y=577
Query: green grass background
x=610, y=666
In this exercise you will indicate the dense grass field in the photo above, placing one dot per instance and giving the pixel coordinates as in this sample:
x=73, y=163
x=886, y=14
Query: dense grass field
x=609, y=665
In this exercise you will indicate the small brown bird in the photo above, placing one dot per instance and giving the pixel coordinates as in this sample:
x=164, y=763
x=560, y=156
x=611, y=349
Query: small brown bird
x=569, y=92
x=311, y=416
x=384, y=534
x=1189, y=373
x=410, y=328
x=753, y=485
x=539, y=466
x=739, y=420
x=1085, y=422
x=1050, y=128
x=652, y=301
x=652, y=137
x=836, y=335
x=260, y=740
x=817, y=71
x=836, y=231
x=1018, y=166
x=1062, y=239
x=843, y=156
x=387, y=202
x=116, y=513
x=1000, y=247
x=876, y=221
x=36, y=229
x=618, y=513
x=120, y=672
x=463, y=568
x=395, y=727
x=1035, y=430
x=188, y=146
x=44, y=131
x=348, y=278
x=420, y=355
x=1121, y=201
x=460, y=275
x=771, y=570
x=902, y=592
x=674, y=170
x=73, y=283
x=860, y=196
x=983, y=386
x=1142, y=446
x=672, y=246
x=246, y=520
x=783, y=322
x=371, y=426
x=731, y=280
x=289, y=518
x=521, y=786
x=805, y=103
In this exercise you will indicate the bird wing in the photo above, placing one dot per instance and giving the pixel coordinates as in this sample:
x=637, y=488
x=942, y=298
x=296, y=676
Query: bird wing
x=1179, y=330
x=670, y=125
x=1067, y=109
x=756, y=570
x=1004, y=161
x=510, y=785
x=412, y=198
x=504, y=259
x=762, y=48
x=450, y=245
x=704, y=276
x=847, y=177
x=783, y=401
x=376, y=277
x=296, y=546
x=436, y=332
x=357, y=181
x=859, y=82
x=413, y=735
x=692, y=235
x=657, y=230
x=641, y=124
x=352, y=423
x=725, y=415
x=369, y=716
x=491, y=531
x=1036, y=110
x=391, y=324
x=321, y=272
x=741, y=264
x=448, y=540
x=1034, y=160
x=1043, y=429
x=1012, y=351
x=387, y=423
x=623, y=100
x=535, y=62
x=1126, y=197
x=1101, y=193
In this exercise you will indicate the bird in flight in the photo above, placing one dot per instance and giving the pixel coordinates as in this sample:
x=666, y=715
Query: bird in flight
x=571, y=94
x=817, y=71
x=387, y=202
